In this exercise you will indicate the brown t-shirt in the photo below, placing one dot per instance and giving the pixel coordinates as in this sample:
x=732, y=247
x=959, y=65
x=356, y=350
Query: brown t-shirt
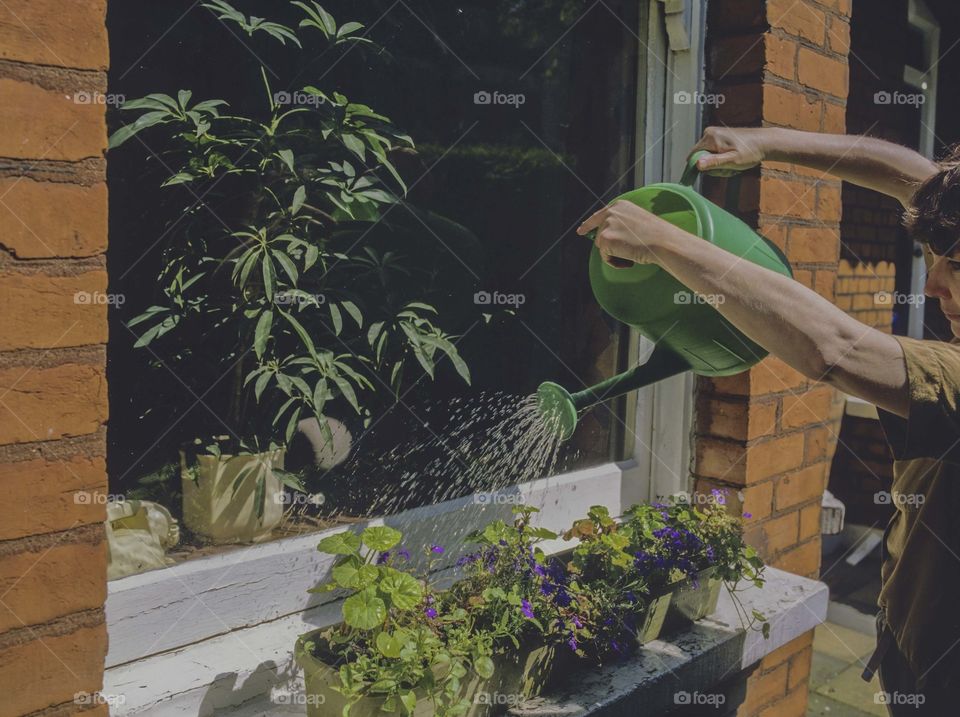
x=921, y=568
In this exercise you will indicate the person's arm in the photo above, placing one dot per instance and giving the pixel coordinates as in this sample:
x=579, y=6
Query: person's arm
x=787, y=319
x=866, y=161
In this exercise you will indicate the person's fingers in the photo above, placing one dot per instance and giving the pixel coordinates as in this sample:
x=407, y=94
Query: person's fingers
x=717, y=161
x=593, y=221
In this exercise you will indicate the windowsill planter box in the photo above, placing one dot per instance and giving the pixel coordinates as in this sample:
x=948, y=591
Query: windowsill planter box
x=517, y=674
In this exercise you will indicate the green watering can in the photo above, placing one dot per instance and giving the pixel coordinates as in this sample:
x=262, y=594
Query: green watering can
x=689, y=333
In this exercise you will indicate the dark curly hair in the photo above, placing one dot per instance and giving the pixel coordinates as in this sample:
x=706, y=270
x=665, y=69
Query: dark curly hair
x=933, y=216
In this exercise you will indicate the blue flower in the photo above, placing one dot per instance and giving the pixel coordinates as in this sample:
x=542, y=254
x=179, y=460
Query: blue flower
x=526, y=609
x=430, y=613
x=572, y=642
x=383, y=557
x=403, y=553
x=438, y=549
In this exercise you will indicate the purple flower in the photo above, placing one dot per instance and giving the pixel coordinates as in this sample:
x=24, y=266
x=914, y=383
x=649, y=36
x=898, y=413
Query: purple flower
x=383, y=557
x=572, y=642
x=747, y=515
x=403, y=553
x=438, y=549
x=576, y=622
x=526, y=609
x=430, y=612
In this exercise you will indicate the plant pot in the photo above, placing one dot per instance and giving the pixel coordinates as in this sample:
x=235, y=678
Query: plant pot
x=217, y=511
x=692, y=600
x=517, y=675
x=654, y=617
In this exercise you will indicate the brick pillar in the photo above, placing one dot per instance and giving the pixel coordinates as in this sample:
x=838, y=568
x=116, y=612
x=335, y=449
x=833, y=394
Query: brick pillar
x=53, y=393
x=769, y=434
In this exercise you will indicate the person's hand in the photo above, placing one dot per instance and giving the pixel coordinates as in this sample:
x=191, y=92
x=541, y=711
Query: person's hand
x=731, y=149
x=628, y=234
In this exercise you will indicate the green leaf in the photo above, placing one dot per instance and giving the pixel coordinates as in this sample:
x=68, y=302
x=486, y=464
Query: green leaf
x=404, y=590
x=347, y=390
x=337, y=319
x=389, y=645
x=287, y=156
x=484, y=667
x=299, y=197
x=348, y=28
x=262, y=333
x=345, y=543
x=354, y=311
x=364, y=611
x=287, y=264
x=380, y=537
x=260, y=495
x=302, y=333
x=409, y=700
x=269, y=278
x=355, y=145
x=355, y=575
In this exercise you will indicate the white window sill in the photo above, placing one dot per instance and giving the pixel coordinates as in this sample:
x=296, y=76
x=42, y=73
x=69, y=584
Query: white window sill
x=860, y=408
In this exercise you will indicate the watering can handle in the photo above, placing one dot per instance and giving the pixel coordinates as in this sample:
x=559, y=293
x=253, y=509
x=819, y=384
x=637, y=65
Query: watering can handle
x=691, y=172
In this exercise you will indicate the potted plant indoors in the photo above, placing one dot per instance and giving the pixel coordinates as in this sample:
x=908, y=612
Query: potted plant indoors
x=273, y=305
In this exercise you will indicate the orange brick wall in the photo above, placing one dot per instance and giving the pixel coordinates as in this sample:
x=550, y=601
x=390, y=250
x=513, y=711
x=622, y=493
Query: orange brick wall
x=769, y=434
x=53, y=394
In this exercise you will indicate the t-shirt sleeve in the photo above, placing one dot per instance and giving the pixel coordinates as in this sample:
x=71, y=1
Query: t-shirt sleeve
x=932, y=428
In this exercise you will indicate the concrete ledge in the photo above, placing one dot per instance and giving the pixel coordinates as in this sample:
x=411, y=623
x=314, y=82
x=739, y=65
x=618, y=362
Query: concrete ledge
x=697, y=660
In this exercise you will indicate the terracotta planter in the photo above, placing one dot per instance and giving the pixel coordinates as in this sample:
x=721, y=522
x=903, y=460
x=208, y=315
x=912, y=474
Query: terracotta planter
x=217, y=512
x=520, y=674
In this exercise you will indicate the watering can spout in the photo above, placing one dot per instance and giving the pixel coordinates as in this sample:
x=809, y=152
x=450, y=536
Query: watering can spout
x=559, y=407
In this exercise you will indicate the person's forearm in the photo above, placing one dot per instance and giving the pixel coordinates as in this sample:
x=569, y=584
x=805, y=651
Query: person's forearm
x=790, y=321
x=866, y=161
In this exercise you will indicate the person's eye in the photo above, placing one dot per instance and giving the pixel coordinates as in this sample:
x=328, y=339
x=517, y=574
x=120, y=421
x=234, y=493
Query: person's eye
x=954, y=264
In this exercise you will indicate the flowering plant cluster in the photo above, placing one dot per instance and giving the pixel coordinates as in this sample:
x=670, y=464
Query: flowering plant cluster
x=402, y=639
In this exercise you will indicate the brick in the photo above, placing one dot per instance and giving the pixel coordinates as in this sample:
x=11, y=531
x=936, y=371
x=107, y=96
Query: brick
x=52, y=669
x=784, y=198
x=838, y=36
x=39, y=586
x=49, y=125
x=50, y=311
x=804, y=276
x=794, y=704
x=781, y=56
x=776, y=534
x=800, y=665
x=772, y=375
x=800, y=487
x=737, y=55
x=798, y=18
x=803, y=560
x=42, y=496
x=757, y=499
x=791, y=108
x=825, y=283
x=764, y=688
x=30, y=230
x=48, y=32
x=829, y=204
x=823, y=73
x=814, y=245
x=788, y=651
x=44, y=404
x=736, y=420
x=806, y=408
x=733, y=463
x=776, y=232
x=809, y=522
x=816, y=443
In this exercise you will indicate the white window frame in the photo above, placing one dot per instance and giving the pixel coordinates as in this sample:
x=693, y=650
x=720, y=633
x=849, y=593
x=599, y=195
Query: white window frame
x=172, y=617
